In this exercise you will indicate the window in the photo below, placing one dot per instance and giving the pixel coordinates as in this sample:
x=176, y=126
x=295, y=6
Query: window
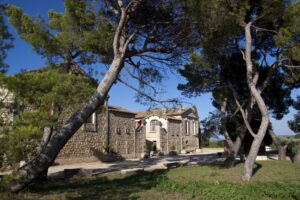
x=118, y=130
x=91, y=120
x=186, y=126
x=153, y=124
x=90, y=124
x=196, y=127
x=193, y=127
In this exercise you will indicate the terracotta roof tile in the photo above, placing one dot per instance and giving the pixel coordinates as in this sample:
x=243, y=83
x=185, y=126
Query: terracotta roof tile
x=162, y=112
x=120, y=109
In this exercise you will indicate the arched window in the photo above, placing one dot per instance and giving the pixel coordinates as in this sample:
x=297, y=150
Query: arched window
x=153, y=124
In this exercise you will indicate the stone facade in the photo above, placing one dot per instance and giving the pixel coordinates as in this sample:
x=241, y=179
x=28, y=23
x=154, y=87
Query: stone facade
x=116, y=133
x=109, y=134
x=122, y=133
x=85, y=144
x=171, y=129
x=7, y=110
x=174, y=135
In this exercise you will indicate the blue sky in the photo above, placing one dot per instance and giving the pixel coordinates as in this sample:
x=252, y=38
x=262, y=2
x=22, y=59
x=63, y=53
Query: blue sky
x=22, y=57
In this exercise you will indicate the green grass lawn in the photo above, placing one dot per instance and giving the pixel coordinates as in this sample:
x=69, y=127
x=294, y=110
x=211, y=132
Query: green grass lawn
x=272, y=180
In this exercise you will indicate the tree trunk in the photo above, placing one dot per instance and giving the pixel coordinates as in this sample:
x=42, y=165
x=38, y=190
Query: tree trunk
x=236, y=145
x=37, y=166
x=281, y=148
x=281, y=152
x=248, y=168
x=297, y=155
x=45, y=139
x=230, y=159
x=249, y=164
x=33, y=169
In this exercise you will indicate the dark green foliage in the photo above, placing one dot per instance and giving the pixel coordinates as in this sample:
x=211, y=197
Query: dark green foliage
x=211, y=128
x=216, y=144
x=44, y=99
x=5, y=40
x=80, y=35
x=294, y=124
x=218, y=66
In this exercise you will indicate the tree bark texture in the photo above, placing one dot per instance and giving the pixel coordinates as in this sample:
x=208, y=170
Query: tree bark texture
x=33, y=169
x=281, y=152
x=281, y=148
x=236, y=145
x=258, y=137
x=48, y=131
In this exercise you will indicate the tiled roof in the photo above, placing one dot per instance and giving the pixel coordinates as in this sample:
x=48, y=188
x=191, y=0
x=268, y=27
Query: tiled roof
x=119, y=109
x=162, y=112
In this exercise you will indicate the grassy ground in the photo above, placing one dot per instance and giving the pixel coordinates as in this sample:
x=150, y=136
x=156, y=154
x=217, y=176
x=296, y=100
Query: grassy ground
x=272, y=180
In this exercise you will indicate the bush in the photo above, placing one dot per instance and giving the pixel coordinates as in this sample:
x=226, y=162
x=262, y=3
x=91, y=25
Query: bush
x=5, y=181
x=215, y=144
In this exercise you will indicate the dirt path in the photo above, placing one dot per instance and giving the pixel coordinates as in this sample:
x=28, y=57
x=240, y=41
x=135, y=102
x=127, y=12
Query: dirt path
x=149, y=164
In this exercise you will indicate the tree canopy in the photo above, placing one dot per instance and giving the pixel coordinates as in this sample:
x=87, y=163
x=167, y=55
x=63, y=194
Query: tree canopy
x=294, y=124
x=5, y=40
x=41, y=99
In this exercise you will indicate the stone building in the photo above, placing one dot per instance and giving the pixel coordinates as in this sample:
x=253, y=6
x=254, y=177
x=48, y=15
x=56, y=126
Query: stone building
x=170, y=129
x=113, y=133
x=116, y=133
x=109, y=134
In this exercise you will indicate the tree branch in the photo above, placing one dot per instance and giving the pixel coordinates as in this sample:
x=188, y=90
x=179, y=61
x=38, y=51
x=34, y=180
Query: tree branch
x=128, y=40
x=264, y=29
x=292, y=66
x=140, y=80
x=242, y=112
x=146, y=95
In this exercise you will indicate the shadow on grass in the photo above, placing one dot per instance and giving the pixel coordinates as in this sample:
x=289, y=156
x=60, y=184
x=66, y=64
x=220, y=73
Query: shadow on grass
x=101, y=187
x=256, y=168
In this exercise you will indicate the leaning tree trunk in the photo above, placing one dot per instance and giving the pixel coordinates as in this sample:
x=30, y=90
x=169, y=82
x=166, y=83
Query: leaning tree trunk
x=248, y=168
x=297, y=155
x=38, y=165
x=33, y=169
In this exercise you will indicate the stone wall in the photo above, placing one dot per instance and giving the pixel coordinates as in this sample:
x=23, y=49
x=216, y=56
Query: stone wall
x=85, y=144
x=190, y=142
x=164, y=141
x=88, y=143
x=174, y=135
x=140, y=141
x=122, y=133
